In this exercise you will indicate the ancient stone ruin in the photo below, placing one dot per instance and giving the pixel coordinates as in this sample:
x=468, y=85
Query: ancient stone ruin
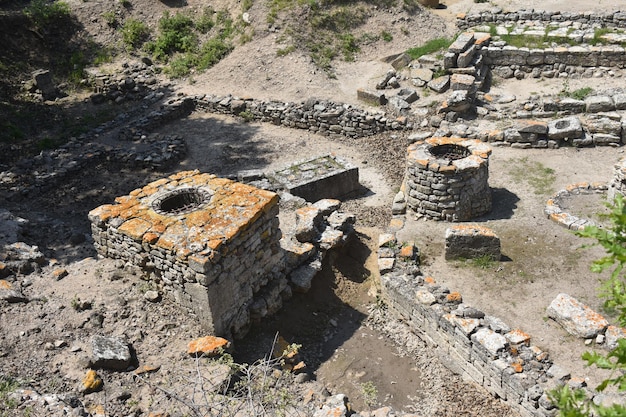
x=212, y=244
x=447, y=178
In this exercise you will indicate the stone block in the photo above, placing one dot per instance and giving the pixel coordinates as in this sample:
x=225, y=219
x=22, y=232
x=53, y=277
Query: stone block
x=465, y=58
x=604, y=125
x=612, y=335
x=110, y=353
x=595, y=104
x=566, y=128
x=439, y=84
x=531, y=126
x=576, y=318
x=462, y=82
x=462, y=42
x=323, y=177
x=471, y=242
x=371, y=96
x=491, y=342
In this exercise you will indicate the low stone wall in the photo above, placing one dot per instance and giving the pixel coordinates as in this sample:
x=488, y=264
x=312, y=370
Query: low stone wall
x=555, y=62
x=479, y=347
x=323, y=117
x=614, y=19
x=554, y=206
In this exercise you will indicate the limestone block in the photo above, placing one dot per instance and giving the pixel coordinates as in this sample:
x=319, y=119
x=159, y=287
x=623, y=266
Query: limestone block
x=302, y=277
x=462, y=42
x=569, y=127
x=604, y=125
x=595, y=104
x=576, y=318
x=606, y=139
x=612, y=335
x=307, y=221
x=43, y=81
x=426, y=75
x=466, y=57
x=409, y=95
x=470, y=242
x=371, y=96
x=439, y=84
x=462, y=82
x=531, y=126
x=458, y=101
x=490, y=341
x=620, y=101
x=398, y=104
x=110, y=353
x=569, y=105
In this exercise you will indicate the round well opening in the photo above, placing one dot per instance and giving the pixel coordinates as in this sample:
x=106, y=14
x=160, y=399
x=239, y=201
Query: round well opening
x=181, y=201
x=562, y=124
x=450, y=151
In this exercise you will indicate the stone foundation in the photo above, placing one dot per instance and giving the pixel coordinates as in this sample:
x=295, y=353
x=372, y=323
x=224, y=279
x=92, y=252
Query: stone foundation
x=452, y=186
x=470, y=242
x=211, y=244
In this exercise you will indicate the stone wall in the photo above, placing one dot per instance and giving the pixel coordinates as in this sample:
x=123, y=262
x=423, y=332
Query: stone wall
x=481, y=348
x=218, y=261
x=614, y=19
x=451, y=190
x=323, y=117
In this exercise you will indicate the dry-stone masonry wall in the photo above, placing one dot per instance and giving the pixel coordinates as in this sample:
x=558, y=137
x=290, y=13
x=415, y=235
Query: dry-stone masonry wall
x=480, y=347
x=323, y=117
x=447, y=178
x=618, y=183
x=212, y=243
x=555, y=206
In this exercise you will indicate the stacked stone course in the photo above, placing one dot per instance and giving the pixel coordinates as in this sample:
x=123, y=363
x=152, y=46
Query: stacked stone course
x=323, y=117
x=455, y=190
x=479, y=347
x=223, y=261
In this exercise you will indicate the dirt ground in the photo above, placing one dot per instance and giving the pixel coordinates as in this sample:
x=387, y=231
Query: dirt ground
x=345, y=351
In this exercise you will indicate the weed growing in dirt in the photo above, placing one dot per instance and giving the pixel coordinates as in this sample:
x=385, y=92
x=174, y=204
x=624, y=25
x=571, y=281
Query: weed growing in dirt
x=369, y=393
x=539, y=177
x=7, y=403
x=483, y=262
x=429, y=47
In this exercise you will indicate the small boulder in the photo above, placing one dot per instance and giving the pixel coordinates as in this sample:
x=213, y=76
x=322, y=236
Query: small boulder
x=110, y=353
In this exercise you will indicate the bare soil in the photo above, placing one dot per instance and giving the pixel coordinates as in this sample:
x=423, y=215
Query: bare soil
x=344, y=350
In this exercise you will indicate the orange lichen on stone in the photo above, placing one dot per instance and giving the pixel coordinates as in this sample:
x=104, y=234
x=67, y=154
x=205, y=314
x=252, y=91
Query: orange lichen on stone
x=150, y=237
x=396, y=223
x=5, y=285
x=454, y=297
x=207, y=346
x=483, y=40
x=171, y=237
x=146, y=369
x=558, y=217
x=407, y=251
x=517, y=366
x=577, y=186
x=429, y=280
x=92, y=382
x=135, y=228
x=447, y=169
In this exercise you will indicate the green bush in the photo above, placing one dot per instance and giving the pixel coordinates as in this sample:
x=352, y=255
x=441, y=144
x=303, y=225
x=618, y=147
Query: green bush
x=387, y=37
x=43, y=13
x=205, y=22
x=212, y=52
x=175, y=35
x=135, y=33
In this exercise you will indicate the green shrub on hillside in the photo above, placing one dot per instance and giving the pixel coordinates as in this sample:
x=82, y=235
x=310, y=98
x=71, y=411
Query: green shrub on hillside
x=175, y=35
x=429, y=47
x=135, y=33
x=43, y=13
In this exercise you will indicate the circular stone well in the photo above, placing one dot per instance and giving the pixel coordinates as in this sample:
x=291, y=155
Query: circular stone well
x=447, y=178
x=181, y=201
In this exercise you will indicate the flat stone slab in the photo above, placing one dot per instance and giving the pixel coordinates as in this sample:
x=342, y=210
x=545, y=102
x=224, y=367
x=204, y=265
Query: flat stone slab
x=575, y=317
x=110, y=353
x=323, y=177
x=566, y=128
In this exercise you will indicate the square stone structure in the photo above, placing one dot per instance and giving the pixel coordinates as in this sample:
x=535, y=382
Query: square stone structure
x=315, y=179
x=210, y=243
x=470, y=242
